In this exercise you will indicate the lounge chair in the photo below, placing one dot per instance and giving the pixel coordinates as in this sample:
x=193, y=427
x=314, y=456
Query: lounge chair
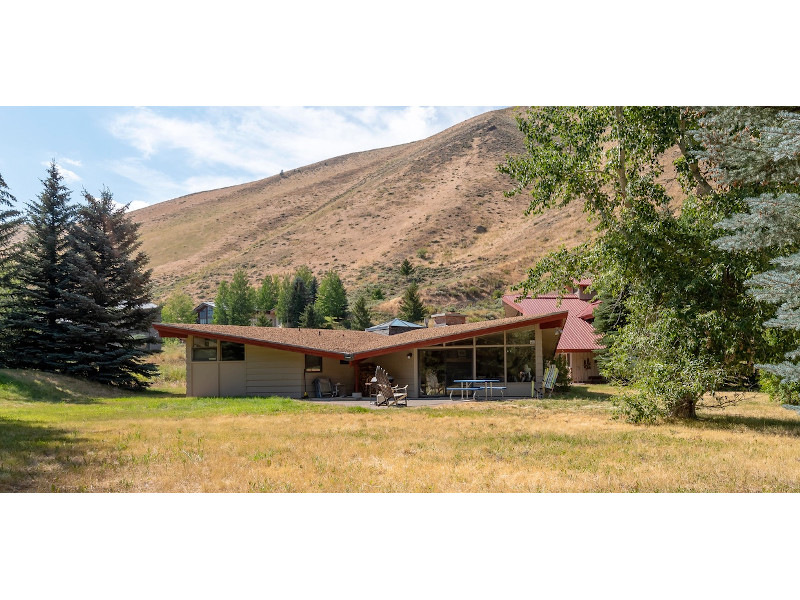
x=388, y=394
x=323, y=387
x=549, y=382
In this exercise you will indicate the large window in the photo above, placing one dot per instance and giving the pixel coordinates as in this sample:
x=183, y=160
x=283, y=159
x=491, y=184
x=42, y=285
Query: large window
x=231, y=351
x=204, y=349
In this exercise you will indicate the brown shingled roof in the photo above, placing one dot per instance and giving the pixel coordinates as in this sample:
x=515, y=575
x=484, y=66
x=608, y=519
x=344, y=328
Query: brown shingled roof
x=338, y=342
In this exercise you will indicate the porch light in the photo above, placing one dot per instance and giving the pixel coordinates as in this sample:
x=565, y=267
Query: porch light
x=408, y=356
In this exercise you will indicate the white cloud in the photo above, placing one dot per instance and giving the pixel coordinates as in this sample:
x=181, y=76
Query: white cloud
x=217, y=147
x=135, y=205
x=69, y=176
x=71, y=161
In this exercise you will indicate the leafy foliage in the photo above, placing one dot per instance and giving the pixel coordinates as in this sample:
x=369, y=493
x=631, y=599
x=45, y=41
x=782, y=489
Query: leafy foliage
x=178, y=309
x=662, y=269
x=241, y=299
x=332, y=298
x=222, y=305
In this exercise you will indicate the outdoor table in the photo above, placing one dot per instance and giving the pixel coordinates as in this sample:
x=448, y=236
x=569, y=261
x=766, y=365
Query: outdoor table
x=471, y=385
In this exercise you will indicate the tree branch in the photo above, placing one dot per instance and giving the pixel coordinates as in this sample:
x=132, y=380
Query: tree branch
x=703, y=187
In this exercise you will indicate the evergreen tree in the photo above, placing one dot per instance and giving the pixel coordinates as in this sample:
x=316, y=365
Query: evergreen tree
x=332, y=298
x=222, y=305
x=10, y=221
x=309, y=319
x=411, y=307
x=405, y=268
x=362, y=318
x=178, y=309
x=297, y=301
x=757, y=151
x=284, y=294
x=106, y=312
x=34, y=335
x=242, y=299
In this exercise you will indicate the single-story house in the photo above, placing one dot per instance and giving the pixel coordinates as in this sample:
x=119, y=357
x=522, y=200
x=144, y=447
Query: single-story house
x=229, y=360
x=577, y=339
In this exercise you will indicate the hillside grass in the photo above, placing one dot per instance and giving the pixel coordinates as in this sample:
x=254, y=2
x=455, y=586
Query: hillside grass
x=62, y=434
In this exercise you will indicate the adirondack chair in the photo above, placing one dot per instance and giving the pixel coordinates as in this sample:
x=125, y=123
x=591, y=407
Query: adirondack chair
x=388, y=394
x=324, y=387
x=549, y=382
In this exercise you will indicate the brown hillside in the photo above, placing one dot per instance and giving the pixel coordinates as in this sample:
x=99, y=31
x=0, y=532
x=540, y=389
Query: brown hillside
x=362, y=214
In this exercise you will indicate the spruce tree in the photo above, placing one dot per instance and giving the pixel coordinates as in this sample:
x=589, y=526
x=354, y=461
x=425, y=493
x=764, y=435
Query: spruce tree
x=757, y=150
x=405, y=268
x=107, y=302
x=297, y=302
x=10, y=221
x=411, y=307
x=34, y=333
x=362, y=318
x=310, y=318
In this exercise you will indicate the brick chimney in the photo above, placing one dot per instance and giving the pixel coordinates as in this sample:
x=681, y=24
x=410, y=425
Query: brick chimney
x=448, y=318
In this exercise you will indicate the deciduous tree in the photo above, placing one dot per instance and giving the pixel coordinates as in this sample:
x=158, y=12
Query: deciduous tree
x=178, y=309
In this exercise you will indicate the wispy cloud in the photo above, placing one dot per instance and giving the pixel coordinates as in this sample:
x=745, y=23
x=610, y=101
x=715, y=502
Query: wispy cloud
x=217, y=147
x=71, y=161
x=69, y=176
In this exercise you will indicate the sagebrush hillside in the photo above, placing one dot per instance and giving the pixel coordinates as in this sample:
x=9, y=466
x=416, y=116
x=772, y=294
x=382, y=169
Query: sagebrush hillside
x=438, y=202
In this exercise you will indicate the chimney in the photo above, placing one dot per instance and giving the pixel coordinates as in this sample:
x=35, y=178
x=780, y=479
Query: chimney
x=448, y=318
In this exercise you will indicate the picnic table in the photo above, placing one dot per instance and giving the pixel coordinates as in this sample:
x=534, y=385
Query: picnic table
x=467, y=386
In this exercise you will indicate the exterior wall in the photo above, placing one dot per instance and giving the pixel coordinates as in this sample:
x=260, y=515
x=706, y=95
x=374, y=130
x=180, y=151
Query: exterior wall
x=549, y=343
x=579, y=373
x=271, y=372
x=333, y=370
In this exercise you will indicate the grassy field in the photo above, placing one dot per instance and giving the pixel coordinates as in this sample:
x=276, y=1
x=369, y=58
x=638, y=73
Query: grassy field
x=60, y=434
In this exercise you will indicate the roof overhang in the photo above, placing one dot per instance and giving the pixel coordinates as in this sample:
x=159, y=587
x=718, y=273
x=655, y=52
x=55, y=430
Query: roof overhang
x=398, y=344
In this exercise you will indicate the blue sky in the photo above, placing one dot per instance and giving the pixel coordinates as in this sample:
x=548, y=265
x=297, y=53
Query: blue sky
x=146, y=155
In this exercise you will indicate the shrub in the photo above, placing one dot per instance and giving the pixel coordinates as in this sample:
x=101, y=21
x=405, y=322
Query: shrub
x=563, y=379
x=638, y=408
x=779, y=391
x=422, y=253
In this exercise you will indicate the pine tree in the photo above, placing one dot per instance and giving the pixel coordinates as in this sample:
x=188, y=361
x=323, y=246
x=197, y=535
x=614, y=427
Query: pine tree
x=107, y=302
x=405, y=268
x=178, y=309
x=332, y=298
x=362, y=318
x=10, y=221
x=411, y=307
x=297, y=302
x=222, y=303
x=242, y=301
x=310, y=318
x=757, y=150
x=34, y=334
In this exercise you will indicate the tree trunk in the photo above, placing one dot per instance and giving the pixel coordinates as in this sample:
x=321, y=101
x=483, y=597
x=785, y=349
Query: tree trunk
x=621, y=176
x=702, y=186
x=685, y=408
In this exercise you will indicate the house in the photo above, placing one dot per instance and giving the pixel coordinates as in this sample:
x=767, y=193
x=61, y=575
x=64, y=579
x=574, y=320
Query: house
x=205, y=313
x=229, y=360
x=576, y=339
x=393, y=327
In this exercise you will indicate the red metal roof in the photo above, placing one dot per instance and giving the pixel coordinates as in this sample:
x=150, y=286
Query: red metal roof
x=578, y=335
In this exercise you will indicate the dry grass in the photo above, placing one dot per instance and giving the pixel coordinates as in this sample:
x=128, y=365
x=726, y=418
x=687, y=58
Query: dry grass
x=161, y=442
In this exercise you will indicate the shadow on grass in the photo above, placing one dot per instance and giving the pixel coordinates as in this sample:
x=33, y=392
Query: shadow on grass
x=771, y=425
x=39, y=389
x=29, y=451
x=595, y=393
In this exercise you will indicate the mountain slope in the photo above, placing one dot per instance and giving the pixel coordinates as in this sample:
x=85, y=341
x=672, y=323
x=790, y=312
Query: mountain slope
x=438, y=202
